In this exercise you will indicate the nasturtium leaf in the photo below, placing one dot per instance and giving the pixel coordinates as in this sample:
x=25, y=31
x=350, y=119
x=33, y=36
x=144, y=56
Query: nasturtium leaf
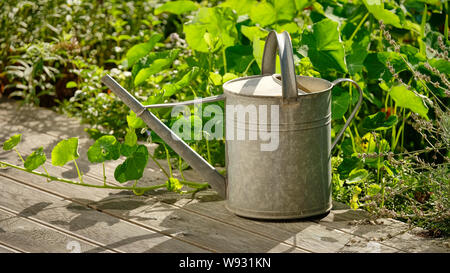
x=12, y=142
x=263, y=13
x=325, y=49
x=254, y=31
x=195, y=37
x=35, y=159
x=134, y=121
x=209, y=26
x=140, y=50
x=133, y=167
x=285, y=9
x=173, y=184
x=359, y=52
x=240, y=6
x=258, y=50
x=379, y=121
x=127, y=150
x=65, y=151
x=348, y=164
x=104, y=148
x=176, y=7
x=407, y=99
x=239, y=57
x=357, y=175
x=339, y=103
x=376, y=8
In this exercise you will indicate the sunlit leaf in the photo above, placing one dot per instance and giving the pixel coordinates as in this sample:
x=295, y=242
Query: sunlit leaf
x=12, y=142
x=325, y=49
x=407, y=99
x=176, y=7
x=65, y=151
x=104, y=148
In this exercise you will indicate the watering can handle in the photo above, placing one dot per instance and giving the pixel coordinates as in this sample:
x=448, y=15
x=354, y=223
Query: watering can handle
x=283, y=43
x=352, y=115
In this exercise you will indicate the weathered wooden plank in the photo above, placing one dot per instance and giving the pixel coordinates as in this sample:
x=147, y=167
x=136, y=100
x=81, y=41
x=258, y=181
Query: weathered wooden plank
x=81, y=221
x=33, y=237
x=303, y=233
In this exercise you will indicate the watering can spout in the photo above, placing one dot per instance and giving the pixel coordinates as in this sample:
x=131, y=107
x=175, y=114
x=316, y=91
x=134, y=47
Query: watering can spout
x=198, y=163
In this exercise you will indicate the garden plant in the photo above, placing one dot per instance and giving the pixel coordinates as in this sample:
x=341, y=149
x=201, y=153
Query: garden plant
x=393, y=160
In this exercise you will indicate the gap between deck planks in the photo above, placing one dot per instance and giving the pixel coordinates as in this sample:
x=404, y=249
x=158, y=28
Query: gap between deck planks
x=315, y=236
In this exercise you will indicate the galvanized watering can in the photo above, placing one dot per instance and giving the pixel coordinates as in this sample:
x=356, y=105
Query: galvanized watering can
x=292, y=180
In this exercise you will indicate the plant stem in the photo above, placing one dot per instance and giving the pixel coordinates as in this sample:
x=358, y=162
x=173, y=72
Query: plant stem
x=78, y=171
x=224, y=60
x=359, y=26
x=104, y=173
x=54, y=178
x=21, y=158
x=159, y=165
x=179, y=167
x=248, y=67
x=168, y=160
x=208, y=151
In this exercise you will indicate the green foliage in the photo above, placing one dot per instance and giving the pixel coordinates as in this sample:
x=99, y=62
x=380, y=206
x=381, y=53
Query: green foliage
x=133, y=167
x=325, y=49
x=66, y=150
x=176, y=7
x=12, y=142
x=35, y=159
x=104, y=148
x=407, y=99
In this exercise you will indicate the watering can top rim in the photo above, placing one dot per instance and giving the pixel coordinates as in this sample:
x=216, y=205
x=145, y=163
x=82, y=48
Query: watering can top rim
x=271, y=86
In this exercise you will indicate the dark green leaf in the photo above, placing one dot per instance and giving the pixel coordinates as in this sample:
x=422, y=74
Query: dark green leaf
x=133, y=167
x=378, y=121
x=339, y=103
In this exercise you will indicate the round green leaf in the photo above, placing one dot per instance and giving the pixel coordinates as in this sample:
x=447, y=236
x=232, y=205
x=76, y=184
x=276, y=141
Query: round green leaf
x=357, y=175
x=263, y=13
x=133, y=167
x=104, y=148
x=12, y=142
x=65, y=151
x=407, y=99
x=325, y=49
x=35, y=159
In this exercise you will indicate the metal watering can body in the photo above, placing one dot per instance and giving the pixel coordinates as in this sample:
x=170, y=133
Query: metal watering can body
x=293, y=180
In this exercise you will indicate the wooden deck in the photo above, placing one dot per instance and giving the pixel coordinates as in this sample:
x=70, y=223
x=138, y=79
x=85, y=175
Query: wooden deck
x=37, y=216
